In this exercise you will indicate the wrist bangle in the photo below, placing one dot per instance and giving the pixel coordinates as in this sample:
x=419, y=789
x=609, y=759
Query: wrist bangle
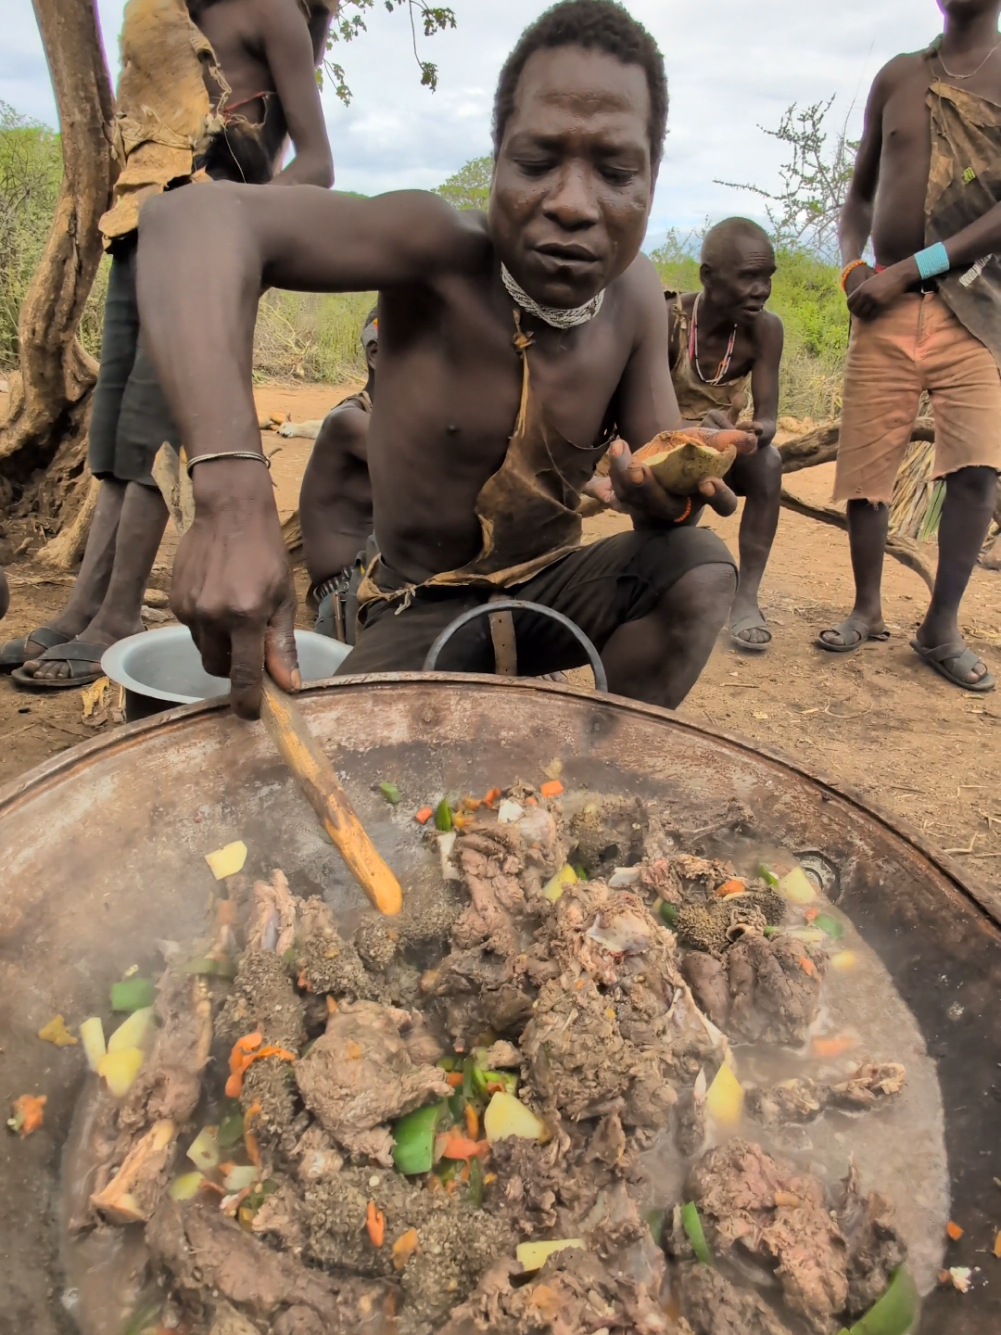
x=849, y=269
x=685, y=512
x=932, y=261
x=229, y=454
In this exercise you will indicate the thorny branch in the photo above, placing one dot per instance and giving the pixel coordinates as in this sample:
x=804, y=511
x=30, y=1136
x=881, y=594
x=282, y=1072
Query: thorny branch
x=815, y=179
x=348, y=27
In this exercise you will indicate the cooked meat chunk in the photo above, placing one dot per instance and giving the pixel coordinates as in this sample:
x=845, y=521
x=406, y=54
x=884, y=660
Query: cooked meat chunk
x=798, y=1100
x=803, y=1099
x=710, y=984
x=774, y=989
x=263, y=1000
x=607, y=832
x=479, y=991
x=273, y=913
x=714, y=1306
x=326, y=962
x=456, y=1243
x=572, y=1293
x=875, y=1248
x=868, y=1085
x=377, y=944
x=358, y=1075
x=503, y=870
x=206, y=1252
x=530, y=1182
x=578, y=1060
x=779, y=1217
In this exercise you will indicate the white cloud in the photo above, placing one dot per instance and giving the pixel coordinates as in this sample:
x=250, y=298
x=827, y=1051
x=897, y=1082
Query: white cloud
x=732, y=66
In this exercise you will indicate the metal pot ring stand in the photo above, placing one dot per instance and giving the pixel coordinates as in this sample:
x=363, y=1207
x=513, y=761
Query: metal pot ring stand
x=502, y=631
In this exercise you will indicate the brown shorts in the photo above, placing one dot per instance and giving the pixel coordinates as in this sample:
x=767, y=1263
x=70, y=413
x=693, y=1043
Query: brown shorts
x=918, y=344
x=599, y=587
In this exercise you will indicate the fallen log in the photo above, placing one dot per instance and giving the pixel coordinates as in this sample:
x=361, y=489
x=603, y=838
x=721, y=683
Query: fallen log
x=820, y=446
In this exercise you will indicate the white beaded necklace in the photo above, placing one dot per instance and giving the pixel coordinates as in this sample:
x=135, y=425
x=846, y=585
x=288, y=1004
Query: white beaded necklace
x=556, y=316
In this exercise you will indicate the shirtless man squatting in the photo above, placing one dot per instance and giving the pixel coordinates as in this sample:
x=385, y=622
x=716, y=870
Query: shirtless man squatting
x=926, y=188
x=266, y=52
x=543, y=317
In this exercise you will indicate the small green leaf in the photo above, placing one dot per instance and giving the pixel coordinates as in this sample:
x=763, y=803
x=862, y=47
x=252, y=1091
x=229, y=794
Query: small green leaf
x=391, y=793
x=766, y=874
x=692, y=1225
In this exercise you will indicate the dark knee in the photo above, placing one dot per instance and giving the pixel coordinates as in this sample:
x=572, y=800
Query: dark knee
x=976, y=485
x=704, y=593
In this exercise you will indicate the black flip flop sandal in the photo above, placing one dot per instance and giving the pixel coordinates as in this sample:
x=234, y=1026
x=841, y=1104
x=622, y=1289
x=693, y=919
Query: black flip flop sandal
x=861, y=629
x=951, y=661
x=750, y=621
x=14, y=654
x=76, y=654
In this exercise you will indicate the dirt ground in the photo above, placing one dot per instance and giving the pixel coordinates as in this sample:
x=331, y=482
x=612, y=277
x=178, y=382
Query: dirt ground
x=877, y=722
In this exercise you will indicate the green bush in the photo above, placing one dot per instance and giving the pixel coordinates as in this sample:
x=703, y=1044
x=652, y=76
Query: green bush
x=311, y=336
x=807, y=298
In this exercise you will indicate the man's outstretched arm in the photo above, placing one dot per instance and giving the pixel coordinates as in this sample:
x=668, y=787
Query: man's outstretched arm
x=204, y=257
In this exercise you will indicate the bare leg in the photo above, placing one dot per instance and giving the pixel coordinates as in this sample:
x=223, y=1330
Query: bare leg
x=966, y=514
x=759, y=478
x=95, y=569
x=140, y=528
x=867, y=530
x=658, y=658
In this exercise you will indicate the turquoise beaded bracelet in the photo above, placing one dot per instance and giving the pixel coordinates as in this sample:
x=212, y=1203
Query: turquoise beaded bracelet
x=932, y=261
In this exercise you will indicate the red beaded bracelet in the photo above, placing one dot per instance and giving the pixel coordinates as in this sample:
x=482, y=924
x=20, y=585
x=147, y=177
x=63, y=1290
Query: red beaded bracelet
x=685, y=512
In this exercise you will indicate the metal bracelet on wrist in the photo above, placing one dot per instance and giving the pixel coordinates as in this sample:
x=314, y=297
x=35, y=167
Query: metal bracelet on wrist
x=229, y=454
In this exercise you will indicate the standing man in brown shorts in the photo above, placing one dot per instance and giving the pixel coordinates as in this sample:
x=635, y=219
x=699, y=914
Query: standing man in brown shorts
x=210, y=90
x=926, y=188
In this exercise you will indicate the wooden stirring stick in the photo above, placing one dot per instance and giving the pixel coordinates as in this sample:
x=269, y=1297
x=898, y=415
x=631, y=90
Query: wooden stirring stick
x=290, y=733
x=301, y=752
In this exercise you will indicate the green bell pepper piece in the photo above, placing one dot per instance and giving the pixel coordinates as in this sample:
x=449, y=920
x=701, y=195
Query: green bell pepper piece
x=414, y=1135
x=692, y=1225
x=443, y=816
x=134, y=994
x=896, y=1312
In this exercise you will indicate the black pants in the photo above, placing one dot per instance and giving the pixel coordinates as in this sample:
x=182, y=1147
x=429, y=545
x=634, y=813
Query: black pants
x=599, y=587
x=130, y=419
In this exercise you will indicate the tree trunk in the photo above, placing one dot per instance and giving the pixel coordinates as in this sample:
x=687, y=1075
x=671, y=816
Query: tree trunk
x=51, y=396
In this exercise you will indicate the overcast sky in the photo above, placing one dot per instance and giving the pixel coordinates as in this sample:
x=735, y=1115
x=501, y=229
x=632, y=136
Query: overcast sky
x=732, y=66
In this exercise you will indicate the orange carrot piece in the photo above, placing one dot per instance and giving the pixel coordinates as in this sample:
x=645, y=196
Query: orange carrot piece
x=353, y=1050
x=732, y=887
x=832, y=1047
x=29, y=1113
x=234, y=1085
x=424, y=815
x=491, y=797
x=241, y=1048
x=811, y=914
x=551, y=789
x=454, y=1078
x=954, y=1231
x=997, y=1246
x=496, y=1087
x=472, y=1122
x=460, y=1147
x=808, y=966
x=404, y=1247
x=331, y=1006
x=375, y=1222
